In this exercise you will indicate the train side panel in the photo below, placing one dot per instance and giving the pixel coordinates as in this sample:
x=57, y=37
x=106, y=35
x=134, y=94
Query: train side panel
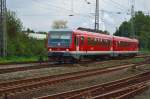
x=87, y=44
x=124, y=46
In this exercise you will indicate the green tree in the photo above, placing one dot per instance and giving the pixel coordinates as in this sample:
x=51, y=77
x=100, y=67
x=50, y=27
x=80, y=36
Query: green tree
x=14, y=24
x=141, y=27
x=59, y=24
x=124, y=29
x=30, y=31
x=19, y=44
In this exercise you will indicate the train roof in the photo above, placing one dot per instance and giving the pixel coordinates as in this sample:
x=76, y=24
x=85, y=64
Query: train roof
x=125, y=39
x=61, y=30
x=107, y=36
x=92, y=33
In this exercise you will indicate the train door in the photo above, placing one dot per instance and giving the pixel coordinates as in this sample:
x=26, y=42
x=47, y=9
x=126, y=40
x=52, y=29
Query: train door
x=80, y=43
x=77, y=43
x=77, y=46
x=80, y=46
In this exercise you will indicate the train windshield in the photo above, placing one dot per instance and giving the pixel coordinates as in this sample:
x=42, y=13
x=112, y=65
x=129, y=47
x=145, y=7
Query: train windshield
x=59, y=38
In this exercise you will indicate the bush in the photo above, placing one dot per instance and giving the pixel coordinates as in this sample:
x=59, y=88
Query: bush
x=19, y=44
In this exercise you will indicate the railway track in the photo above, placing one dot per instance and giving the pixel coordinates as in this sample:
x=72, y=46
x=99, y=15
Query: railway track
x=119, y=89
x=31, y=84
x=37, y=65
x=24, y=68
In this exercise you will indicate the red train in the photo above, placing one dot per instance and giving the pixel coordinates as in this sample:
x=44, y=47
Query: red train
x=64, y=45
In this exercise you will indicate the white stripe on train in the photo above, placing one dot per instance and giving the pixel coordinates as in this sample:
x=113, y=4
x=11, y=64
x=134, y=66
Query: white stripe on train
x=96, y=52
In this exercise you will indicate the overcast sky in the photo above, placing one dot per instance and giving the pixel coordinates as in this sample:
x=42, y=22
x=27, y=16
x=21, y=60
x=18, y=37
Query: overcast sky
x=39, y=14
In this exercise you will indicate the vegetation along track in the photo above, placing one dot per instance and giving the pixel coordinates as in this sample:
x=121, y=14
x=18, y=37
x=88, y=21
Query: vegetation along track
x=18, y=63
x=31, y=84
x=120, y=89
x=45, y=64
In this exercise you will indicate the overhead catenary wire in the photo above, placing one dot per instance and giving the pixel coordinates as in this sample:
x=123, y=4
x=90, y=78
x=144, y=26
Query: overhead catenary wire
x=119, y=4
x=64, y=9
x=50, y=12
x=121, y=8
x=147, y=10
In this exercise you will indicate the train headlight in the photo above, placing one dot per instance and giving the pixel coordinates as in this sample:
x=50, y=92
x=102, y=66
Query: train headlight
x=67, y=50
x=50, y=49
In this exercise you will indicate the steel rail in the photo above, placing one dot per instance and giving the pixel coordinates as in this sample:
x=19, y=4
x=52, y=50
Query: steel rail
x=99, y=89
x=11, y=69
x=22, y=68
x=133, y=93
x=119, y=92
x=32, y=83
x=44, y=64
x=14, y=86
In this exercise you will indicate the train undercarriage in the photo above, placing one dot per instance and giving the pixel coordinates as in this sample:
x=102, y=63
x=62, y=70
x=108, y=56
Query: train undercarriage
x=64, y=57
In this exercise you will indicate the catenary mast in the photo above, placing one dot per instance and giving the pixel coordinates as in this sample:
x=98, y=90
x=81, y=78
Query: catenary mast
x=3, y=34
x=97, y=15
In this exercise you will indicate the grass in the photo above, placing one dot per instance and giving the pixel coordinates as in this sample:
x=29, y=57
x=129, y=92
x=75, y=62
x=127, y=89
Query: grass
x=35, y=58
x=19, y=59
x=147, y=52
x=137, y=60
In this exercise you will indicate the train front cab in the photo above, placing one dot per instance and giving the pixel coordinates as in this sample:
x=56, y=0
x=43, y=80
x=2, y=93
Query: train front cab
x=59, y=45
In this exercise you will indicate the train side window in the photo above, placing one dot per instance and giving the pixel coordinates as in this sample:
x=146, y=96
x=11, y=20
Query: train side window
x=121, y=44
x=92, y=41
x=75, y=40
x=117, y=43
x=89, y=41
x=82, y=40
x=108, y=43
x=95, y=41
x=99, y=42
x=103, y=42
